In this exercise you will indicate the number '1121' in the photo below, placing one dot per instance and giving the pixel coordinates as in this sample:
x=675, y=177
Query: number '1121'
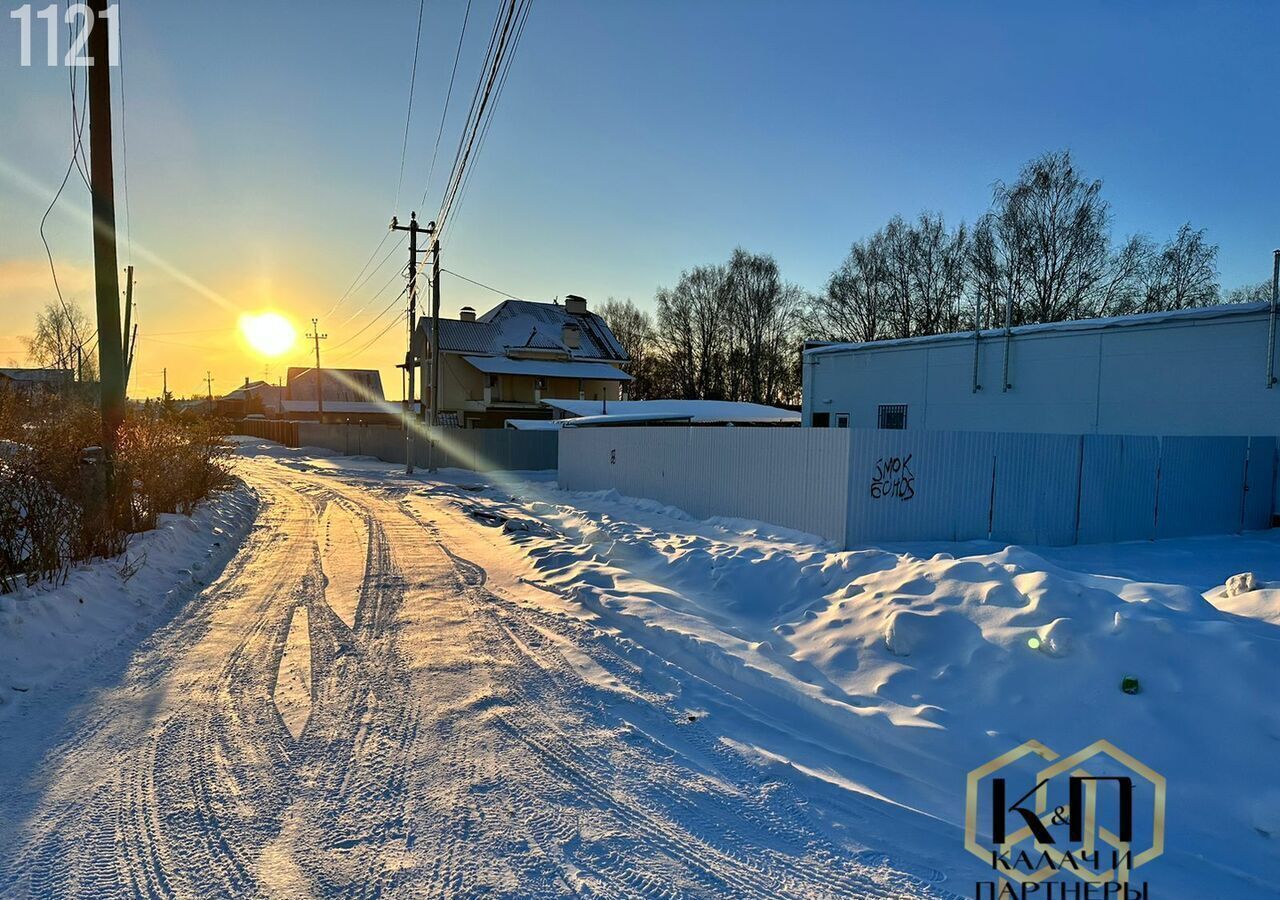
x=81, y=20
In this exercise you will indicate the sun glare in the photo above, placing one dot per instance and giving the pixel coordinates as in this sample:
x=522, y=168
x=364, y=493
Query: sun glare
x=268, y=332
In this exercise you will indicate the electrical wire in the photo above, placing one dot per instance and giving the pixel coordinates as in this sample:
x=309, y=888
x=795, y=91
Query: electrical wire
x=435, y=151
x=408, y=117
x=503, y=41
x=482, y=285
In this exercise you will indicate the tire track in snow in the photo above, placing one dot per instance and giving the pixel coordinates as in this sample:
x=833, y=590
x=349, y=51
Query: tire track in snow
x=456, y=745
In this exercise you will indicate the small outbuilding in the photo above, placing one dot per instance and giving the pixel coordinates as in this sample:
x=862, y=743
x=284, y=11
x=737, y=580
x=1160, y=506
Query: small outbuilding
x=1208, y=371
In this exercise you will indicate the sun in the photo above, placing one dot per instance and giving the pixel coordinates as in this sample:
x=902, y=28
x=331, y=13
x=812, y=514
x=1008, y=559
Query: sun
x=268, y=332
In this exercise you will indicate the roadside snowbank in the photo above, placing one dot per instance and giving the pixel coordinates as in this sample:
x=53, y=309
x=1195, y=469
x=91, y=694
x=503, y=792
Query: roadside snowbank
x=49, y=631
x=892, y=674
x=884, y=675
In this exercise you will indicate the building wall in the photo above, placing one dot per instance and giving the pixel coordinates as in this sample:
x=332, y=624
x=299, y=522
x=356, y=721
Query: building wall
x=1196, y=376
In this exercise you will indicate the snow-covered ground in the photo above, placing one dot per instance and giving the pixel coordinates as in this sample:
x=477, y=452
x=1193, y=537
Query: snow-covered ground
x=53, y=631
x=453, y=684
x=891, y=672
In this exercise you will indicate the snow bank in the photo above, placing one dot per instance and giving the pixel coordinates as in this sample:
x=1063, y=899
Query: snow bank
x=892, y=674
x=49, y=631
x=884, y=675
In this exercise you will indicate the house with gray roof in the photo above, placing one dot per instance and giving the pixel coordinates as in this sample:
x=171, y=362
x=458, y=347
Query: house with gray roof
x=504, y=363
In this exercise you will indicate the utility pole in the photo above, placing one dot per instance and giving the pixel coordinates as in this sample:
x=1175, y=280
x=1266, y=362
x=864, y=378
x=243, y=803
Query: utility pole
x=435, y=331
x=106, y=274
x=409, y=418
x=316, y=336
x=130, y=335
x=208, y=382
x=164, y=394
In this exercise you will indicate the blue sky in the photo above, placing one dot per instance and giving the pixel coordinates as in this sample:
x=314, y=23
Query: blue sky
x=633, y=140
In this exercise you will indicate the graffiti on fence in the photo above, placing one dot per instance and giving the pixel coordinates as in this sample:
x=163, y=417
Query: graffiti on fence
x=893, y=478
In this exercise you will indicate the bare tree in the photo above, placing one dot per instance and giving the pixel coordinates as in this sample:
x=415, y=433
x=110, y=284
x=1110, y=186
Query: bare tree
x=853, y=306
x=939, y=272
x=1249, y=293
x=1052, y=226
x=1185, y=272
x=692, y=332
x=633, y=327
x=63, y=339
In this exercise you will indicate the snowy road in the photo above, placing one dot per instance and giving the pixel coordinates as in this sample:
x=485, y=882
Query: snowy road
x=348, y=710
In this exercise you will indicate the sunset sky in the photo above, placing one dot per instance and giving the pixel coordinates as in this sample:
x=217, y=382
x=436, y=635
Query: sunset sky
x=633, y=140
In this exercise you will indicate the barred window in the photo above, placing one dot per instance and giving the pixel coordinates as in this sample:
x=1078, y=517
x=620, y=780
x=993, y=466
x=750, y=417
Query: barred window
x=893, y=416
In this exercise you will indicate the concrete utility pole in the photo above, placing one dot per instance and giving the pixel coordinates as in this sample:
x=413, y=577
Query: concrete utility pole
x=164, y=394
x=435, y=332
x=106, y=274
x=316, y=336
x=414, y=229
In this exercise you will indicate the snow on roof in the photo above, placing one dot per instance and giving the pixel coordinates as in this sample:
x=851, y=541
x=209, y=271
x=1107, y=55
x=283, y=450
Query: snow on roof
x=503, y=365
x=523, y=323
x=344, y=406
x=695, y=411
x=37, y=375
x=533, y=424
x=1137, y=319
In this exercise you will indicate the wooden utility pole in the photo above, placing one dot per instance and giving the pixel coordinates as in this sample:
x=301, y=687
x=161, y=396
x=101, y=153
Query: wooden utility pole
x=107, y=278
x=413, y=228
x=208, y=382
x=164, y=394
x=316, y=336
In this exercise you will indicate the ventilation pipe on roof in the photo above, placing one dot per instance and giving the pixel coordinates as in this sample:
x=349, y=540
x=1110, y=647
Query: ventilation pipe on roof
x=467, y=314
x=575, y=305
x=571, y=336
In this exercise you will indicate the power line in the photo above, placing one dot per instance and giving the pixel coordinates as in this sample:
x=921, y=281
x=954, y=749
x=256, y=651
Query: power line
x=408, y=117
x=466, y=16
x=502, y=43
x=497, y=96
x=369, y=324
x=352, y=354
x=360, y=275
x=481, y=285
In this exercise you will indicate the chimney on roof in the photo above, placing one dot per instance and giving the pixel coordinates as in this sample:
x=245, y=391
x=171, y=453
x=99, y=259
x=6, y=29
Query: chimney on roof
x=467, y=314
x=575, y=305
x=246, y=381
x=571, y=336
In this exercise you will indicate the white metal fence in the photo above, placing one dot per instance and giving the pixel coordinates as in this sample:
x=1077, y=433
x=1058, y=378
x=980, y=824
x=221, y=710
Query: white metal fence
x=855, y=487
x=795, y=477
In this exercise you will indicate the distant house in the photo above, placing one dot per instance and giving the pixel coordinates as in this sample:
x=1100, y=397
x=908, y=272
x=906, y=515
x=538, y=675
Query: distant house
x=503, y=364
x=349, y=395
x=29, y=381
x=253, y=398
x=593, y=413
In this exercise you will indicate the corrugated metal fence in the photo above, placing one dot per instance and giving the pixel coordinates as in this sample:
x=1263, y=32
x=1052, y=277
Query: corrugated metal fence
x=478, y=449
x=856, y=487
x=270, y=430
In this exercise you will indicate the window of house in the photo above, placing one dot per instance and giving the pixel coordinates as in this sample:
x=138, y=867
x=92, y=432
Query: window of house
x=842, y=420
x=893, y=415
x=821, y=420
